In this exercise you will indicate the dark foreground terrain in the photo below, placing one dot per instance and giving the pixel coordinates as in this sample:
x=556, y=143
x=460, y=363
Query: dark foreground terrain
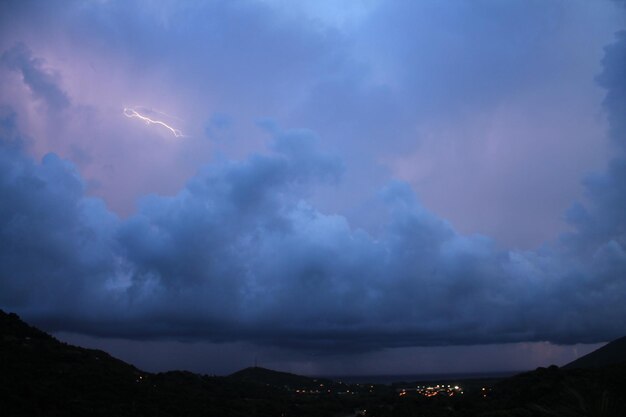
x=40, y=376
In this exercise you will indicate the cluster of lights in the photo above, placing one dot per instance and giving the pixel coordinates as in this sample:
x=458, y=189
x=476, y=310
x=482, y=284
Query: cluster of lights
x=312, y=391
x=303, y=391
x=315, y=391
x=431, y=391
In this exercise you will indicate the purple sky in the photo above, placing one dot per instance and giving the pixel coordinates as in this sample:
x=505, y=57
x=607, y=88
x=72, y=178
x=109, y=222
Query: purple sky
x=334, y=187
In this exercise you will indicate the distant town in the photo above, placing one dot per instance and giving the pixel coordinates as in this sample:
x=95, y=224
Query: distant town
x=431, y=391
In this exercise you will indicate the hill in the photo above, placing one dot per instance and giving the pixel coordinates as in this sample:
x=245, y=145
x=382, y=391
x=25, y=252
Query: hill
x=264, y=376
x=610, y=354
x=40, y=375
x=37, y=372
x=555, y=391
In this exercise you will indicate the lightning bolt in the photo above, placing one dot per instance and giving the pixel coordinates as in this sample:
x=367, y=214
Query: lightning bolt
x=134, y=114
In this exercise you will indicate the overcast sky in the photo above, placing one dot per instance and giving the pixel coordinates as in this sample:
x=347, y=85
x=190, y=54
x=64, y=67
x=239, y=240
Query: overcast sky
x=332, y=187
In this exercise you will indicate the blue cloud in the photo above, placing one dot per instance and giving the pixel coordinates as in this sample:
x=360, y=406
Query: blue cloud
x=242, y=252
x=239, y=254
x=41, y=83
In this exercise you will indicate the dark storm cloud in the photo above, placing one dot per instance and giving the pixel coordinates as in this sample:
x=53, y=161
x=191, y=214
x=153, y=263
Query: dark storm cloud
x=242, y=253
x=41, y=83
x=52, y=236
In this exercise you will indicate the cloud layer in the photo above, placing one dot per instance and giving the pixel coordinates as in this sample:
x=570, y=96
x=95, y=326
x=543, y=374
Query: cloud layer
x=239, y=254
x=262, y=244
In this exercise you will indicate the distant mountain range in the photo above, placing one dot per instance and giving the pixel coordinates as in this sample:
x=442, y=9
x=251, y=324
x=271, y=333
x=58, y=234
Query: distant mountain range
x=40, y=376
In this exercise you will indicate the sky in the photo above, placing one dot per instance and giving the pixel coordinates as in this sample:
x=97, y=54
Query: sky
x=358, y=187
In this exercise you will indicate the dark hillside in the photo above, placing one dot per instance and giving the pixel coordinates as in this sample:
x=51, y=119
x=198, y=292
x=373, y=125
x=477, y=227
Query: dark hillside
x=37, y=372
x=610, y=354
x=275, y=378
x=41, y=376
x=563, y=392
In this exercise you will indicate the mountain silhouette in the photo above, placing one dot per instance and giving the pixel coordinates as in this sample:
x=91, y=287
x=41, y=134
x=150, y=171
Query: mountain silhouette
x=41, y=376
x=265, y=376
x=610, y=354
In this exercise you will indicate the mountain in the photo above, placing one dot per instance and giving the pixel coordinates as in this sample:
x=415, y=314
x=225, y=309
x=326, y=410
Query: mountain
x=562, y=392
x=40, y=375
x=610, y=354
x=37, y=372
x=594, y=384
x=278, y=379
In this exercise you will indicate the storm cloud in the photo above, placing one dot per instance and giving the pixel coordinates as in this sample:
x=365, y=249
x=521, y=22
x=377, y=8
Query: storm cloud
x=265, y=243
x=41, y=83
x=239, y=254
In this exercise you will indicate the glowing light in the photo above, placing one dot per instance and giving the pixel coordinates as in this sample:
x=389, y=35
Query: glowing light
x=134, y=114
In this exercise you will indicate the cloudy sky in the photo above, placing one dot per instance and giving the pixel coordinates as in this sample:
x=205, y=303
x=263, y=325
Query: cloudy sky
x=330, y=187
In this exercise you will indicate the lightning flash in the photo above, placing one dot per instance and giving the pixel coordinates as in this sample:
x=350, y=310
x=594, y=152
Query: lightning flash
x=133, y=113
